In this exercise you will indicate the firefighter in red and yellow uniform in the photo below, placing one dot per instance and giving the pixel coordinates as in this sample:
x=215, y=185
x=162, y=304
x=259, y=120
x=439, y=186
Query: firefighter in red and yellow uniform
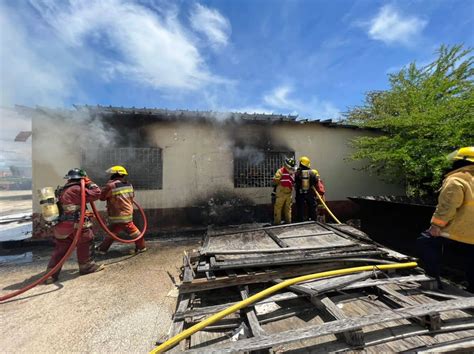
x=119, y=196
x=69, y=202
x=284, y=181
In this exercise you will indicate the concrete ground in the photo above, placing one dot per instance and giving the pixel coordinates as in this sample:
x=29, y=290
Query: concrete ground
x=124, y=308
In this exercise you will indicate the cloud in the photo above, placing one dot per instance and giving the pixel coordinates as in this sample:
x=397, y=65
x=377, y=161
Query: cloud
x=47, y=45
x=38, y=69
x=279, y=99
x=210, y=22
x=390, y=26
x=143, y=45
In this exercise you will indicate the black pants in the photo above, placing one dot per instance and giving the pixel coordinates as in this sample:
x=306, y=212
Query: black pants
x=308, y=200
x=431, y=250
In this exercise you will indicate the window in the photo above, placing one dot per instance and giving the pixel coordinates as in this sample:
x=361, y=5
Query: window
x=144, y=165
x=256, y=168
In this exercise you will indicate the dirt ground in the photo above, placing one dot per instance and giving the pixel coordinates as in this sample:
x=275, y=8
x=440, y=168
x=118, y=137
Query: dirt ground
x=124, y=308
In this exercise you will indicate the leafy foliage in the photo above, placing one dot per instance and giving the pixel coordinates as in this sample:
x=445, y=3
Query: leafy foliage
x=427, y=113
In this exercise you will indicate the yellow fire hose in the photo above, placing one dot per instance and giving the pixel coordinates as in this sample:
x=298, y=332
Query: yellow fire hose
x=325, y=206
x=262, y=294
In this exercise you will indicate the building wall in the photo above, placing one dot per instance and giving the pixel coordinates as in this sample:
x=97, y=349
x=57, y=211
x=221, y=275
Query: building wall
x=198, y=161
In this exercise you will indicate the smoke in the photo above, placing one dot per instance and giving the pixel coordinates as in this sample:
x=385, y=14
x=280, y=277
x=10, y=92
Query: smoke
x=250, y=154
x=60, y=134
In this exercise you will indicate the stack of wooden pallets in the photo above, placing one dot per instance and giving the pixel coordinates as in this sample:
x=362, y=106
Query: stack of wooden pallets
x=376, y=310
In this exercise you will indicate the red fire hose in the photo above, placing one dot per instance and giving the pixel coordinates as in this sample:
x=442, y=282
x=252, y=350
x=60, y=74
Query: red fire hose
x=114, y=236
x=66, y=256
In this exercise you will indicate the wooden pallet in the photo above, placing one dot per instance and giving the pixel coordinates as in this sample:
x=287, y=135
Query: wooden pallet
x=384, y=311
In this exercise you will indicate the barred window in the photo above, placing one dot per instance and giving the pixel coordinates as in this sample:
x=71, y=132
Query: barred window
x=144, y=165
x=256, y=168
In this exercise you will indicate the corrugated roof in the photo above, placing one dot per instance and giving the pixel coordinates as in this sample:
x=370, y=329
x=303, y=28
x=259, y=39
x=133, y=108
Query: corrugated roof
x=185, y=115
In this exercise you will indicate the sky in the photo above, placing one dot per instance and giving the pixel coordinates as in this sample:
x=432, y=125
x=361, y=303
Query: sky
x=314, y=58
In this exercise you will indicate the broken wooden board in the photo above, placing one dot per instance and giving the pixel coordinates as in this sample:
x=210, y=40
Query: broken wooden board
x=343, y=325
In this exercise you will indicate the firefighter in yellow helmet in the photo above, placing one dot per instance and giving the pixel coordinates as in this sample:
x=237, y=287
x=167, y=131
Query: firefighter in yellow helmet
x=283, y=182
x=305, y=179
x=119, y=195
x=453, y=218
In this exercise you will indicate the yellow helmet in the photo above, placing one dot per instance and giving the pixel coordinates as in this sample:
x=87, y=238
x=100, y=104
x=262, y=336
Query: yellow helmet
x=305, y=161
x=117, y=169
x=465, y=153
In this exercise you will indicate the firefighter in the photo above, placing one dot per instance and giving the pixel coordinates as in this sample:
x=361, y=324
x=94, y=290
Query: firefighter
x=305, y=180
x=69, y=202
x=453, y=219
x=283, y=182
x=119, y=196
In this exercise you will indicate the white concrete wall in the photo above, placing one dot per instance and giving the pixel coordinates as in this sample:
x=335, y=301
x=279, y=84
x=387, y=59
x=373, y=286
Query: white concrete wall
x=198, y=161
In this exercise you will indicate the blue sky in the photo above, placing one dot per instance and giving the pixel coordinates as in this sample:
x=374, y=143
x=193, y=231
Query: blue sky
x=311, y=58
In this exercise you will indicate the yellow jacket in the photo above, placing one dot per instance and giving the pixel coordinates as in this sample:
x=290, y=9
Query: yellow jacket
x=454, y=213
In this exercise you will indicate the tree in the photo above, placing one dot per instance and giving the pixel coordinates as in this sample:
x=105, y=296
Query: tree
x=426, y=113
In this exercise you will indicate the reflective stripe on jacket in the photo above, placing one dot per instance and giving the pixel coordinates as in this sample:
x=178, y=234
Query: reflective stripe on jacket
x=119, y=195
x=284, y=179
x=454, y=213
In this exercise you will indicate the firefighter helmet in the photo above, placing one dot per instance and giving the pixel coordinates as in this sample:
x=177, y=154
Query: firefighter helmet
x=117, y=169
x=290, y=163
x=75, y=173
x=464, y=153
x=305, y=161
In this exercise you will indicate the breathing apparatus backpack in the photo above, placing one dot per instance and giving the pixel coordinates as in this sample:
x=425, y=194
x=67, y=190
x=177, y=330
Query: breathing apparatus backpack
x=305, y=180
x=51, y=208
x=48, y=200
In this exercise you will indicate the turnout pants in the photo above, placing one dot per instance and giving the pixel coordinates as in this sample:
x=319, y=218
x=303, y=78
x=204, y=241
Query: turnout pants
x=307, y=200
x=431, y=250
x=130, y=229
x=82, y=250
x=282, y=205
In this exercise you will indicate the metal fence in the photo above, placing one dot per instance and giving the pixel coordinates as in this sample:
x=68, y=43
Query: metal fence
x=144, y=165
x=257, y=168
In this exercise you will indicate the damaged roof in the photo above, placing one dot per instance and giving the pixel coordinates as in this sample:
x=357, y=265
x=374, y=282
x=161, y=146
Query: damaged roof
x=188, y=115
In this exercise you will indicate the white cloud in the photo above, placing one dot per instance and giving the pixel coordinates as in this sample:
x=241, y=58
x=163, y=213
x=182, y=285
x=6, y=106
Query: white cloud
x=212, y=24
x=28, y=70
x=390, y=26
x=280, y=99
x=147, y=47
x=42, y=58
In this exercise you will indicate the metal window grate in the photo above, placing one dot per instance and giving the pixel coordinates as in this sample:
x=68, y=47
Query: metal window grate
x=257, y=168
x=144, y=165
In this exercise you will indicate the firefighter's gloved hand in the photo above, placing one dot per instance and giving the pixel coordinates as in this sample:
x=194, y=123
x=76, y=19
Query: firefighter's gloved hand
x=434, y=231
x=89, y=183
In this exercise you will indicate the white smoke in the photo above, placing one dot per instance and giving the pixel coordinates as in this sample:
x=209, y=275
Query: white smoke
x=59, y=134
x=250, y=154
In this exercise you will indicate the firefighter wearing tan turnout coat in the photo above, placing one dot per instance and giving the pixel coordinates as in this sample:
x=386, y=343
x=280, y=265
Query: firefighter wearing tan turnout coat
x=453, y=218
x=283, y=181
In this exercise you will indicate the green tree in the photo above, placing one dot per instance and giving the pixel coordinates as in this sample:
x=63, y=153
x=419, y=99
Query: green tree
x=426, y=113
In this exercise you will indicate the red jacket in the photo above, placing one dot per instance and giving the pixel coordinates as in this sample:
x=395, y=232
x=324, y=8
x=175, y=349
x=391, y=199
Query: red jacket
x=70, y=201
x=119, y=195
